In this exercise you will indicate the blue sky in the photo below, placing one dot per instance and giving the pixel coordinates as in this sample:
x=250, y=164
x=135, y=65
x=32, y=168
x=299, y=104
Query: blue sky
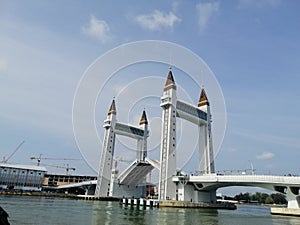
x=251, y=46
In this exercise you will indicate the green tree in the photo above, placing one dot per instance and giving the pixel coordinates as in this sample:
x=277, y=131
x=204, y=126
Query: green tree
x=269, y=200
x=259, y=197
x=279, y=198
x=264, y=197
x=243, y=197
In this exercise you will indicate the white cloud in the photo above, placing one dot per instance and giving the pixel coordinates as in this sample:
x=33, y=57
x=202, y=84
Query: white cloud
x=157, y=20
x=265, y=155
x=258, y=4
x=205, y=13
x=98, y=29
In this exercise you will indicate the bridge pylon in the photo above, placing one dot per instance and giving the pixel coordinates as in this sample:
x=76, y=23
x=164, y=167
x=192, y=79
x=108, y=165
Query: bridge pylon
x=207, y=164
x=106, y=178
x=108, y=147
x=167, y=188
x=199, y=115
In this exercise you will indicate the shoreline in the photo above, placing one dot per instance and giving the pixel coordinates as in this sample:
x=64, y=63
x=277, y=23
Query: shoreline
x=37, y=194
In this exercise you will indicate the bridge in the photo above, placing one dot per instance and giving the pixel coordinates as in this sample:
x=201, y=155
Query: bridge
x=208, y=183
x=128, y=183
x=174, y=184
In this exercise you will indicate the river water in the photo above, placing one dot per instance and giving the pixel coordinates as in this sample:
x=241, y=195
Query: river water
x=45, y=210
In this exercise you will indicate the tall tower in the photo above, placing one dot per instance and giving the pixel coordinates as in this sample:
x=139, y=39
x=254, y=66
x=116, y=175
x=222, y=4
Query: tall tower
x=142, y=143
x=106, y=161
x=205, y=138
x=167, y=188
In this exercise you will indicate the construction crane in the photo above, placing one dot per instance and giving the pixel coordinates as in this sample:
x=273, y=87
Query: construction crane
x=5, y=160
x=63, y=167
x=40, y=158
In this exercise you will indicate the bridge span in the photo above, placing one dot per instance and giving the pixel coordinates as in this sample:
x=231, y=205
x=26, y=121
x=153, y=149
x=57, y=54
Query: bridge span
x=172, y=184
x=207, y=184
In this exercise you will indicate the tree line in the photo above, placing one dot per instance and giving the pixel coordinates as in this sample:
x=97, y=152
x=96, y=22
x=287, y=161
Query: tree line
x=258, y=197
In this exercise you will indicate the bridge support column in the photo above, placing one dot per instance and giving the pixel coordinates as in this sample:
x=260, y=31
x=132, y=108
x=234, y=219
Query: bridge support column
x=293, y=207
x=105, y=168
x=190, y=192
x=207, y=165
x=167, y=188
x=90, y=190
x=142, y=143
x=207, y=196
x=293, y=198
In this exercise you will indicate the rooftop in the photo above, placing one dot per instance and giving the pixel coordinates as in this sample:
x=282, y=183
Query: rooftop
x=21, y=166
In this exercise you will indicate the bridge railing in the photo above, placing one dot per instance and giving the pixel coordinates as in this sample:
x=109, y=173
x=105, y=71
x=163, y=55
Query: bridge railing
x=247, y=178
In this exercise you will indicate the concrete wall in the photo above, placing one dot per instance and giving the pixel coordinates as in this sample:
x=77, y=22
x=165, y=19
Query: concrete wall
x=128, y=191
x=188, y=192
x=207, y=196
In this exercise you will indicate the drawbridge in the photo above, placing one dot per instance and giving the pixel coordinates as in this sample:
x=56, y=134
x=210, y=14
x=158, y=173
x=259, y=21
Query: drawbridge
x=137, y=171
x=180, y=187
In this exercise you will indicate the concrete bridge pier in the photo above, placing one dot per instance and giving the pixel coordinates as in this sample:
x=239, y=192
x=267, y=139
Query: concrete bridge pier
x=293, y=198
x=89, y=189
x=293, y=207
x=192, y=193
x=207, y=196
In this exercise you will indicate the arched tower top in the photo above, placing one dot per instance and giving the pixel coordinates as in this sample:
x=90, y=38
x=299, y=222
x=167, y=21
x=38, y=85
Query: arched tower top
x=144, y=118
x=170, y=83
x=203, y=100
x=112, y=109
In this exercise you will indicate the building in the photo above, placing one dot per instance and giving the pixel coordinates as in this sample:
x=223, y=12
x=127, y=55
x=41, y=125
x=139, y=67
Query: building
x=54, y=180
x=21, y=177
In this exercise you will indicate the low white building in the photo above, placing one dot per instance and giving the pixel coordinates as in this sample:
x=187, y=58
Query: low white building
x=21, y=177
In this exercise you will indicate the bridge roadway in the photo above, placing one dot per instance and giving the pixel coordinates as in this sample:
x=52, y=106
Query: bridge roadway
x=132, y=175
x=214, y=181
x=288, y=185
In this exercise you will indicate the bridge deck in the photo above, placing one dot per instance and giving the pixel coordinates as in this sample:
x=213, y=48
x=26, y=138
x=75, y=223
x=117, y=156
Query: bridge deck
x=214, y=181
x=135, y=173
x=247, y=178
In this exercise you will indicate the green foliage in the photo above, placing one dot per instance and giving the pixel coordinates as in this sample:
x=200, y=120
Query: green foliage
x=262, y=198
x=269, y=200
x=278, y=198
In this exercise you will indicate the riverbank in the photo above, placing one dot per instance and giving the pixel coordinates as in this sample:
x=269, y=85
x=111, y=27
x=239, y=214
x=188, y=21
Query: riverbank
x=39, y=194
x=176, y=204
x=285, y=211
x=59, y=195
x=187, y=204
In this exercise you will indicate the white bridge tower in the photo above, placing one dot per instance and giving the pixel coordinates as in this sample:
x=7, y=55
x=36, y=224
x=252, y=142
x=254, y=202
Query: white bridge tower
x=200, y=116
x=113, y=128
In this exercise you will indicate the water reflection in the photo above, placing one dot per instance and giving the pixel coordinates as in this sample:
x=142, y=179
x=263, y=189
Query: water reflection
x=48, y=211
x=187, y=216
x=111, y=213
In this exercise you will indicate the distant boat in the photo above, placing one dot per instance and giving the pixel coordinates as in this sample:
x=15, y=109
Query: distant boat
x=3, y=217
